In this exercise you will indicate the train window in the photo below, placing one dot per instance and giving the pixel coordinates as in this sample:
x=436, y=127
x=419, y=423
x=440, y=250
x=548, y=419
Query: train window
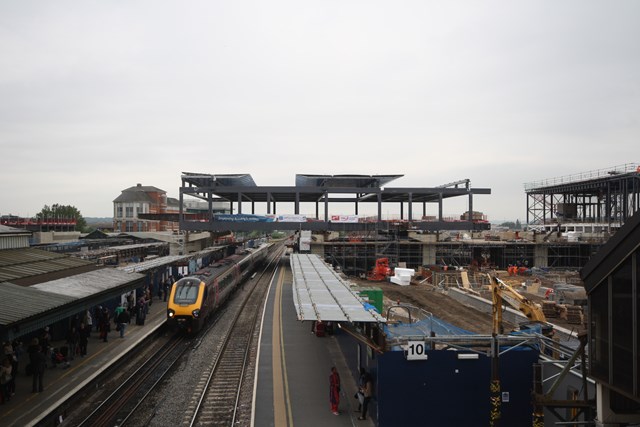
x=186, y=292
x=225, y=281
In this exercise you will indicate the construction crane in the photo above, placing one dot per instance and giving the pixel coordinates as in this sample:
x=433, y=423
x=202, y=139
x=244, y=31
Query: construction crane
x=501, y=293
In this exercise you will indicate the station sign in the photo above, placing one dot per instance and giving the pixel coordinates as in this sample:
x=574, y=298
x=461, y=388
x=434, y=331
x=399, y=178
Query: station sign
x=416, y=350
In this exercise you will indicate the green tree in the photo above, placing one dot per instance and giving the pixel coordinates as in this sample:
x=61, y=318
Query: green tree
x=63, y=212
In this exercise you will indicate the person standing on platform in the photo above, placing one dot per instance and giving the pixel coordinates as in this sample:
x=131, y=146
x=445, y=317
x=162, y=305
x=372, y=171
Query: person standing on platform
x=123, y=321
x=6, y=374
x=45, y=339
x=88, y=321
x=362, y=379
x=105, y=326
x=367, y=391
x=166, y=287
x=38, y=361
x=72, y=342
x=83, y=338
x=334, y=390
x=119, y=309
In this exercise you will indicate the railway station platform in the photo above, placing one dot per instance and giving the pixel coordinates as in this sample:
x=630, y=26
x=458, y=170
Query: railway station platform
x=30, y=409
x=292, y=384
x=292, y=381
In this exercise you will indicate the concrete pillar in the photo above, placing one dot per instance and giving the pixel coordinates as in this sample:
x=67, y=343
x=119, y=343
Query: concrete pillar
x=541, y=256
x=429, y=254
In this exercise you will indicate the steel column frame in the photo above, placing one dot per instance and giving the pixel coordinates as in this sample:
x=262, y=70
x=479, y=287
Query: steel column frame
x=268, y=203
x=410, y=207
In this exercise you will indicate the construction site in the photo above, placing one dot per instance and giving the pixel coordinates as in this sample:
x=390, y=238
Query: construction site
x=483, y=279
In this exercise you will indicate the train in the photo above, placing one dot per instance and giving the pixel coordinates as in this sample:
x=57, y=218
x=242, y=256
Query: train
x=195, y=297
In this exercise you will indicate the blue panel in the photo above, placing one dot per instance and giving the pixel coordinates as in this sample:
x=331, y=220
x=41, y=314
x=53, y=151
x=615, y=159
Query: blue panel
x=445, y=391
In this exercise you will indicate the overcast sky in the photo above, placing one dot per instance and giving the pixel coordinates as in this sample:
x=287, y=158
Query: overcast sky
x=97, y=96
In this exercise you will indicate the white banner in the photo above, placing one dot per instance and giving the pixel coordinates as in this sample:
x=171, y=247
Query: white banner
x=344, y=218
x=292, y=218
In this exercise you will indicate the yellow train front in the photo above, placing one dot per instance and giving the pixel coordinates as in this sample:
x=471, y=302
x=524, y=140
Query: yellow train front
x=184, y=308
x=192, y=299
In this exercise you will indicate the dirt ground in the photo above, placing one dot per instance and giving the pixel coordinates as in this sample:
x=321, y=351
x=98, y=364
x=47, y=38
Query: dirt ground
x=446, y=308
x=433, y=301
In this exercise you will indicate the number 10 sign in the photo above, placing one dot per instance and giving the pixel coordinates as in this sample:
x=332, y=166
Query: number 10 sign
x=416, y=350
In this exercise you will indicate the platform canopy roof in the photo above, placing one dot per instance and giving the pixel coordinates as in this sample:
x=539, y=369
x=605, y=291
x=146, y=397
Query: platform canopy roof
x=314, y=188
x=320, y=294
x=19, y=263
x=354, y=181
x=225, y=180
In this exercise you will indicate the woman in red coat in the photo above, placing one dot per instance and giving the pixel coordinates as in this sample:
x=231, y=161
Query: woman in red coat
x=334, y=390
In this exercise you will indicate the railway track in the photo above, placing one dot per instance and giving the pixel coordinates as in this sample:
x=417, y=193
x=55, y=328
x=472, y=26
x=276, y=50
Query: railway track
x=217, y=390
x=116, y=409
x=217, y=394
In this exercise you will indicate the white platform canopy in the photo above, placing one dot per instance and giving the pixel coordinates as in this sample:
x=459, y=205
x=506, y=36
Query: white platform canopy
x=320, y=294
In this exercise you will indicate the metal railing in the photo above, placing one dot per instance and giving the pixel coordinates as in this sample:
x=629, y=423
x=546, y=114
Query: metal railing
x=584, y=176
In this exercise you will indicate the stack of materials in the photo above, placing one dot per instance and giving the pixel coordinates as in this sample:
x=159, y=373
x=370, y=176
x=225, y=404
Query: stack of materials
x=402, y=276
x=550, y=309
x=575, y=315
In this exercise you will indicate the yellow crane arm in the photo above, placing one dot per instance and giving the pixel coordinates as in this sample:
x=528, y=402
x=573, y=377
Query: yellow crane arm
x=500, y=292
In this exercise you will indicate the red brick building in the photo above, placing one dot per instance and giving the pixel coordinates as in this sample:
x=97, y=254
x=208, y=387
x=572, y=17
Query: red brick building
x=142, y=200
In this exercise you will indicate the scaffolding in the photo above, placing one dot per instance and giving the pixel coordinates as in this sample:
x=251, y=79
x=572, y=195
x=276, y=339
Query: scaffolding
x=605, y=196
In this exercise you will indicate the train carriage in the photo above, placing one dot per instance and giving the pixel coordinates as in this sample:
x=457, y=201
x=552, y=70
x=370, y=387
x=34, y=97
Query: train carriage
x=194, y=298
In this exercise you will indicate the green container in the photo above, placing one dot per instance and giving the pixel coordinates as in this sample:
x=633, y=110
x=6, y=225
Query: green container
x=374, y=295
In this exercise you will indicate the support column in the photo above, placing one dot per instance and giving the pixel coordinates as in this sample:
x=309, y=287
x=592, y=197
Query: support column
x=410, y=207
x=326, y=206
x=379, y=207
x=440, y=207
x=297, y=205
x=268, y=203
x=239, y=203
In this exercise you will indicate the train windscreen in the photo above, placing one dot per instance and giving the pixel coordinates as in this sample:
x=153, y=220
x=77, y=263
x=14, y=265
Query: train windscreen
x=186, y=291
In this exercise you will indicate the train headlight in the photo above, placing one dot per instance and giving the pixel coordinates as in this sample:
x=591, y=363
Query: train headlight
x=196, y=313
x=171, y=313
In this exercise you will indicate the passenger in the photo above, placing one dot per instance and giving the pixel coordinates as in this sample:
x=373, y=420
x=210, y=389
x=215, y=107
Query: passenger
x=45, y=339
x=98, y=317
x=334, y=390
x=38, y=365
x=6, y=374
x=119, y=309
x=73, y=337
x=131, y=305
x=83, y=338
x=141, y=311
x=105, y=325
x=367, y=392
x=166, y=287
x=88, y=322
x=16, y=346
x=362, y=380
x=123, y=321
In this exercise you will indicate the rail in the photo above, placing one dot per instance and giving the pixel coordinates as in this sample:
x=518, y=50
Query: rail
x=584, y=176
x=217, y=404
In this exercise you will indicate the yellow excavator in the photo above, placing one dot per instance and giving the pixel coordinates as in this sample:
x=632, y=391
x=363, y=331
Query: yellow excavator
x=501, y=293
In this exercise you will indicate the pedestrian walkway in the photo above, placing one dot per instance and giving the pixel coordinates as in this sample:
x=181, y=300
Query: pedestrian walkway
x=28, y=409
